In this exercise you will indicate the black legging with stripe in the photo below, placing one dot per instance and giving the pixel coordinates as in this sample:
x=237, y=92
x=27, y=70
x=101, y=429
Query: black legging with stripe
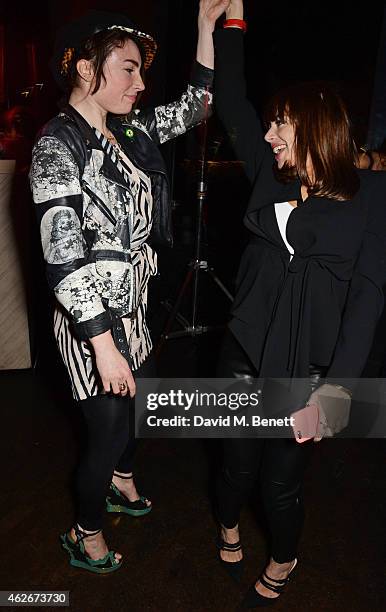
x=110, y=446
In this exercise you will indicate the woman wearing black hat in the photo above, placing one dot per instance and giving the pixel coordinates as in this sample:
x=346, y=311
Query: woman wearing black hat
x=101, y=195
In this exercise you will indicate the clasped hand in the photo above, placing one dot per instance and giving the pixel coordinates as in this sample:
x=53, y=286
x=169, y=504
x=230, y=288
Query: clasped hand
x=337, y=412
x=211, y=10
x=113, y=368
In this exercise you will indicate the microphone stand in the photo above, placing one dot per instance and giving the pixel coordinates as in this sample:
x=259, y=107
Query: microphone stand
x=194, y=328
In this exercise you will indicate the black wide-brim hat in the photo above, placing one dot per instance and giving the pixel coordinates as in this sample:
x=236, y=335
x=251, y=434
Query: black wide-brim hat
x=72, y=35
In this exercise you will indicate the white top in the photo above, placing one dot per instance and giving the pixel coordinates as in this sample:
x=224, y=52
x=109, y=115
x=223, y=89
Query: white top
x=283, y=211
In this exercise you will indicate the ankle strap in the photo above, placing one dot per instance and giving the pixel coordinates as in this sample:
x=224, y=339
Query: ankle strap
x=123, y=477
x=284, y=581
x=222, y=545
x=271, y=587
x=81, y=535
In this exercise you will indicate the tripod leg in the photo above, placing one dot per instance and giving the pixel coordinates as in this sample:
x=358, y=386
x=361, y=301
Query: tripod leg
x=195, y=294
x=174, y=311
x=216, y=279
x=201, y=194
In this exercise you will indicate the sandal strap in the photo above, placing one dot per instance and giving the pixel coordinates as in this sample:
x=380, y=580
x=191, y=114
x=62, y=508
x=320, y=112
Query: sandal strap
x=81, y=535
x=222, y=545
x=123, y=477
x=283, y=581
x=138, y=504
x=271, y=587
x=109, y=560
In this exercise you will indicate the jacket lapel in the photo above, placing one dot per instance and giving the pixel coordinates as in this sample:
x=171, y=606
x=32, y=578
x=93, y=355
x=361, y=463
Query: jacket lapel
x=84, y=128
x=109, y=170
x=137, y=145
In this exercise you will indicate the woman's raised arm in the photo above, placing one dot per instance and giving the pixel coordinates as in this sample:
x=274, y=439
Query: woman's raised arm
x=210, y=11
x=233, y=107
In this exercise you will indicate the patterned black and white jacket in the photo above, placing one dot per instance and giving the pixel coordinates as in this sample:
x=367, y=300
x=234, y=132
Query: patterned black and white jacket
x=81, y=199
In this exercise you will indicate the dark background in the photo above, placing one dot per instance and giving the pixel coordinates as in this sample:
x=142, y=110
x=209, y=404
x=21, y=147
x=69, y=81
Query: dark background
x=286, y=42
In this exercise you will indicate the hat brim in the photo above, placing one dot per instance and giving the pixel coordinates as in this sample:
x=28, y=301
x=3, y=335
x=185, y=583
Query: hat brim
x=147, y=42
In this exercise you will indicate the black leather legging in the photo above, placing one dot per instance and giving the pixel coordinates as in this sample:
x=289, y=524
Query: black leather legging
x=110, y=446
x=281, y=464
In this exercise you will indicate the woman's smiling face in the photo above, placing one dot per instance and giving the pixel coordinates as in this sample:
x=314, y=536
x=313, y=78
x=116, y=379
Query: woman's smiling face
x=123, y=81
x=281, y=138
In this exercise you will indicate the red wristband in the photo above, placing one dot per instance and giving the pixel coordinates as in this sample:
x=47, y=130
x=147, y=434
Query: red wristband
x=238, y=23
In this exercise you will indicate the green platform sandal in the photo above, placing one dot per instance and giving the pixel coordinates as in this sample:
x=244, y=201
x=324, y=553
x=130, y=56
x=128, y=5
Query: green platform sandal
x=79, y=557
x=118, y=503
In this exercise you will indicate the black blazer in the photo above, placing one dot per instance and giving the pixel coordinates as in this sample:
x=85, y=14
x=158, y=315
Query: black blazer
x=322, y=306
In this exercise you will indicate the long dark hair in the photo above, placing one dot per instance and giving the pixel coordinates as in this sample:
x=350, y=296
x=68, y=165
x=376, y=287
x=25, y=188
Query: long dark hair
x=322, y=131
x=96, y=49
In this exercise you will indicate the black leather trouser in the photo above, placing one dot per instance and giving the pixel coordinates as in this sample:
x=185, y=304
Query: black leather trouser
x=280, y=463
x=110, y=446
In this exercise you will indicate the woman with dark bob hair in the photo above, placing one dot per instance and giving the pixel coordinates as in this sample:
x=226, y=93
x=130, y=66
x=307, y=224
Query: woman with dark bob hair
x=309, y=287
x=101, y=195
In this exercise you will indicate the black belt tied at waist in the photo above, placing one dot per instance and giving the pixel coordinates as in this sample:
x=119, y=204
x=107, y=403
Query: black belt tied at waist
x=108, y=255
x=291, y=320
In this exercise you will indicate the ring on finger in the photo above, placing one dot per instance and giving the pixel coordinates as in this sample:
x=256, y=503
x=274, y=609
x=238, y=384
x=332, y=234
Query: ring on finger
x=122, y=386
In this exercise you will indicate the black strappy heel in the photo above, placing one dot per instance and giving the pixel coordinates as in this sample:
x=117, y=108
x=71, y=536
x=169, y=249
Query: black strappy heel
x=253, y=599
x=233, y=568
x=79, y=557
x=118, y=503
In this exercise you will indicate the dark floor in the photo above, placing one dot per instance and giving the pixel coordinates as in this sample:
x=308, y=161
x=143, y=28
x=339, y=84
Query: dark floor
x=170, y=557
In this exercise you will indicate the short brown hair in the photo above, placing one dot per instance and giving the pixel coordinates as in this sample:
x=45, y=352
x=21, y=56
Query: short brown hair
x=322, y=130
x=96, y=49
